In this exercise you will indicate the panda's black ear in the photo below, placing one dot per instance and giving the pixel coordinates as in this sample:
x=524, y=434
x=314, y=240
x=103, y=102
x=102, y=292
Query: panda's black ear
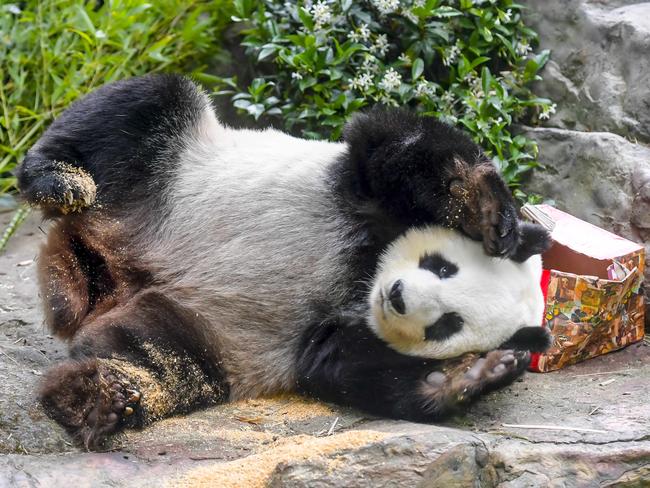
x=385, y=129
x=534, y=239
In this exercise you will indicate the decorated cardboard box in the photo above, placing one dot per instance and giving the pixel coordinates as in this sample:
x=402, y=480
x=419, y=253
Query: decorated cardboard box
x=592, y=283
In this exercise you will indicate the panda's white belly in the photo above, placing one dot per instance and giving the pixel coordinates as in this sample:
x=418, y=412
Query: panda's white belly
x=253, y=239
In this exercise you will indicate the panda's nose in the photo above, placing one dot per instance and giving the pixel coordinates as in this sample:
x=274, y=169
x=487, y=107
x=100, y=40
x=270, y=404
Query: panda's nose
x=395, y=297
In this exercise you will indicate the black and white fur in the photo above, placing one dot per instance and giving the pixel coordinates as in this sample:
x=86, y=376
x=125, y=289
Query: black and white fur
x=192, y=263
x=436, y=294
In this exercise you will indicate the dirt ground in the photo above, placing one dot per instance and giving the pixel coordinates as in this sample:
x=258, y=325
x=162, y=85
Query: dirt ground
x=595, y=418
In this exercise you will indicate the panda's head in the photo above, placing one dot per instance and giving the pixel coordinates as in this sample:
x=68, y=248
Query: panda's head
x=437, y=294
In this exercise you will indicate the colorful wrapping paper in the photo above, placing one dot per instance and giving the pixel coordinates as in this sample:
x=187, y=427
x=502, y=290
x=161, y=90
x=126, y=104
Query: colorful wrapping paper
x=589, y=315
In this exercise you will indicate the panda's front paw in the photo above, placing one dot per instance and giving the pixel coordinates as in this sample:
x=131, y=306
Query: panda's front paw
x=497, y=369
x=533, y=339
x=490, y=214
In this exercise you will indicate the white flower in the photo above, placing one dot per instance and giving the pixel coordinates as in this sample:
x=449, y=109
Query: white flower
x=547, y=112
x=507, y=16
x=387, y=100
x=361, y=82
x=419, y=3
x=322, y=14
x=450, y=55
x=12, y=8
x=381, y=45
x=354, y=36
x=364, y=32
x=404, y=58
x=470, y=78
x=447, y=98
x=296, y=76
x=386, y=6
x=424, y=89
x=100, y=34
x=370, y=64
x=522, y=48
x=392, y=80
x=409, y=15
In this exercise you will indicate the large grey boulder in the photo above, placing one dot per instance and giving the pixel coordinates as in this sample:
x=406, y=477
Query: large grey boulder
x=599, y=72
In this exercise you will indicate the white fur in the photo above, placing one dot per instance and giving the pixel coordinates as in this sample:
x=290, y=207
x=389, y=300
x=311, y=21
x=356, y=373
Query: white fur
x=495, y=297
x=252, y=239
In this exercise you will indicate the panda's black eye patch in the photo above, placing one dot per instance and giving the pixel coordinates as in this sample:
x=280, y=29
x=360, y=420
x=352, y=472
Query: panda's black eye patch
x=438, y=265
x=445, y=327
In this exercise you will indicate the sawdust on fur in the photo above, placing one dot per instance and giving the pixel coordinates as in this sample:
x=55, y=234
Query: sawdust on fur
x=177, y=387
x=254, y=470
x=71, y=177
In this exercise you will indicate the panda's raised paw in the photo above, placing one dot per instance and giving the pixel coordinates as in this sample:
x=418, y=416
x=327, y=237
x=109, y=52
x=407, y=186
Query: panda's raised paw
x=56, y=185
x=489, y=212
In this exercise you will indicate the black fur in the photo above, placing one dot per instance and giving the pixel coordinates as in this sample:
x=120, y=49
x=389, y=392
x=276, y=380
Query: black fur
x=398, y=173
x=342, y=361
x=438, y=265
x=124, y=134
x=446, y=326
x=402, y=163
x=533, y=339
x=534, y=239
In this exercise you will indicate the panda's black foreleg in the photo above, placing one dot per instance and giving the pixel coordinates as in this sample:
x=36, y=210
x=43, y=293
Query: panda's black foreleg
x=346, y=364
x=533, y=339
x=402, y=170
x=116, y=143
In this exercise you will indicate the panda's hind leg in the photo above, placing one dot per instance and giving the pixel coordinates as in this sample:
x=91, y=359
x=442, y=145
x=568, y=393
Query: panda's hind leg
x=116, y=145
x=130, y=367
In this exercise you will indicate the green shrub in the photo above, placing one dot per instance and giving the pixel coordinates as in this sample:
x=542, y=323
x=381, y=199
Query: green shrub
x=307, y=65
x=469, y=62
x=54, y=51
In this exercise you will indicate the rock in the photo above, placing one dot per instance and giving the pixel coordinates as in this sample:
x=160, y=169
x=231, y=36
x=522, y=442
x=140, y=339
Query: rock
x=284, y=442
x=599, y=72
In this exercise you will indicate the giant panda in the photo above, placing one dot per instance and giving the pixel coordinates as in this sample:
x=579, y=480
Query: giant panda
x=191, y=263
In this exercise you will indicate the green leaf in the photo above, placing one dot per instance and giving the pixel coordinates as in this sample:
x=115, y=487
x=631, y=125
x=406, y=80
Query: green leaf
x=306, y=19
x=417, y=69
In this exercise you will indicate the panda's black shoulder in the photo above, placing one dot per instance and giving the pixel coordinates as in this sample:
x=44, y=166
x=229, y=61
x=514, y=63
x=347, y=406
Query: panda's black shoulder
x=390, y=129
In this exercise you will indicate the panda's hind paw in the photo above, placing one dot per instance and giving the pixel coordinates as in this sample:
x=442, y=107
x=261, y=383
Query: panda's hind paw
x=88, y=399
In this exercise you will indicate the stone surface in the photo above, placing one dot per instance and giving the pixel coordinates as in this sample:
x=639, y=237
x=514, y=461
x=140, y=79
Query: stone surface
x=599, y=72
x=290, y=442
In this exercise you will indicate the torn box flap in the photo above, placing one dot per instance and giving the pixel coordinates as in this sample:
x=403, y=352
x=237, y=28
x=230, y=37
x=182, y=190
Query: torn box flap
x=578, y=235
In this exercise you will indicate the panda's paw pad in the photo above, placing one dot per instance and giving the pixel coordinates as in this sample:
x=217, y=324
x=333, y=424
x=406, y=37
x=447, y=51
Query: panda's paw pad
x=436, y=379
x=89, y=399
x=498, y=366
